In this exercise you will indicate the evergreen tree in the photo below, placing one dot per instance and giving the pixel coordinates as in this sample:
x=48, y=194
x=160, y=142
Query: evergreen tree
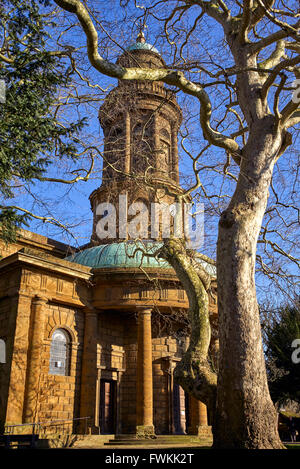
x=283, y=370
x=29, y=133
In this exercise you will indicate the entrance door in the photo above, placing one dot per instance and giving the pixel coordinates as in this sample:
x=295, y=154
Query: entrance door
x=180, y=410
x=107, y=406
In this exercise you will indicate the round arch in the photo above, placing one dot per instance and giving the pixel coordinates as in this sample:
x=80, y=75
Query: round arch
x=60, y=352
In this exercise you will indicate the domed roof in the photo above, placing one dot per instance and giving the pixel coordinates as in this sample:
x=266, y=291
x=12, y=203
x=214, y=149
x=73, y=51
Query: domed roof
x=122, y=254
x=141, y=44
x=129, y=254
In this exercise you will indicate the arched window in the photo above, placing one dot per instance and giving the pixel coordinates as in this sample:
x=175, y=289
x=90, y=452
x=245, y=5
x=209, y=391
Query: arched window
x=60, y=352
x=2, y=351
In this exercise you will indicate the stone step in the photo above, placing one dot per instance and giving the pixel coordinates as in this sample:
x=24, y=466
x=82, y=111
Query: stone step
x=131, y=440
x=98, y=441
x=92, y=440
x=132, y=436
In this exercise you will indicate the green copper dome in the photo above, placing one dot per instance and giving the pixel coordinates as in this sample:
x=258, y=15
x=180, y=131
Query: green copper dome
x=142, y=44
x=125, y=254
x=122, y=254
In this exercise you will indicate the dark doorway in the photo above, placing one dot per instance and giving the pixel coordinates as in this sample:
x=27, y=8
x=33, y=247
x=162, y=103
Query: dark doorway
x=107, y=406
x=180, y=410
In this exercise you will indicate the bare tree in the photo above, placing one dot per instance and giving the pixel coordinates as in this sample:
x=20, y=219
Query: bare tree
x=245, y=415
x=245, y=75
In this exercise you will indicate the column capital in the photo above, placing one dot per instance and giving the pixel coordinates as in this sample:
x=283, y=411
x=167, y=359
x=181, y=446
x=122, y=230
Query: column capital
x=39, y=300
x=90, y=312
x=144, y=309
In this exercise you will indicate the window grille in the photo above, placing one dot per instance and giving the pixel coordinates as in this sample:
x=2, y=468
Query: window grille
x=60, y=353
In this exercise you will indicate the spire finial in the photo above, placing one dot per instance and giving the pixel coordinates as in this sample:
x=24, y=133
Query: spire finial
x=141, y=37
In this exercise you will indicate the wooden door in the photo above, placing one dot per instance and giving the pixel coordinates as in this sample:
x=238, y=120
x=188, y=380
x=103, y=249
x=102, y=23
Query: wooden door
x=107, y=406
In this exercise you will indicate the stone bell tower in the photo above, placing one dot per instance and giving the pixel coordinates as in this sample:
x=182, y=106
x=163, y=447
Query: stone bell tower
x=140, y=122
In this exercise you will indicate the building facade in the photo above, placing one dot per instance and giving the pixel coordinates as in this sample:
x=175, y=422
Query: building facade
x=92, y=336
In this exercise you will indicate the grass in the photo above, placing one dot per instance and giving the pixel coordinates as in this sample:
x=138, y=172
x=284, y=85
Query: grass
x=292, y=445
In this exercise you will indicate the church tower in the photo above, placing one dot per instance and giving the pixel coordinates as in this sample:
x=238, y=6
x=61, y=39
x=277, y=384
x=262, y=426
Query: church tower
x=140, y=122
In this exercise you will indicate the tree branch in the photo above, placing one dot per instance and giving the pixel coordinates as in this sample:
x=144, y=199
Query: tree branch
x=194, y=373
x=292, y=30
x=246, y=21
x=50, y=220
x=275, y=57
x=275, y=72
x=293, y=120
x=267, y=41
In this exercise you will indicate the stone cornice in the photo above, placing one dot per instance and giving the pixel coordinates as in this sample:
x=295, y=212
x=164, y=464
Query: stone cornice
x=45, y=261
x=35, y=240
x=136, y=273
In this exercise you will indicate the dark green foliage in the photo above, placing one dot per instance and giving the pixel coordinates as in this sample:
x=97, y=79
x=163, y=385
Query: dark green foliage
x=284, y=373
x=9, y=222
x=29, y=132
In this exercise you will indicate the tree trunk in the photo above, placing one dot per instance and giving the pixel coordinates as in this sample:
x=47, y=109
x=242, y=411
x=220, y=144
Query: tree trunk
x=245, y=415
x=193, y=373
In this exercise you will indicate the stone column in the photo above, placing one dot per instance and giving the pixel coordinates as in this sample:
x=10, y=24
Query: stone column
x=198, y=416
x=144, y=385
x=97, y=403
x=89, y=373
x=157, y=149
x=175, y=168
x=127, y=144
x=17, y=352
x=31, y=401
x=202, y=414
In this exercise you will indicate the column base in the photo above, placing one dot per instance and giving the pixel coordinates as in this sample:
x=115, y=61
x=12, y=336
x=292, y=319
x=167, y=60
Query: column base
x=200, y=430
x=192, y=430
x=145, y=431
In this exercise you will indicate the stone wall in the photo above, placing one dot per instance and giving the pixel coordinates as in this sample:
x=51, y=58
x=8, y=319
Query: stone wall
x=110, y=340
x=162, y=347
